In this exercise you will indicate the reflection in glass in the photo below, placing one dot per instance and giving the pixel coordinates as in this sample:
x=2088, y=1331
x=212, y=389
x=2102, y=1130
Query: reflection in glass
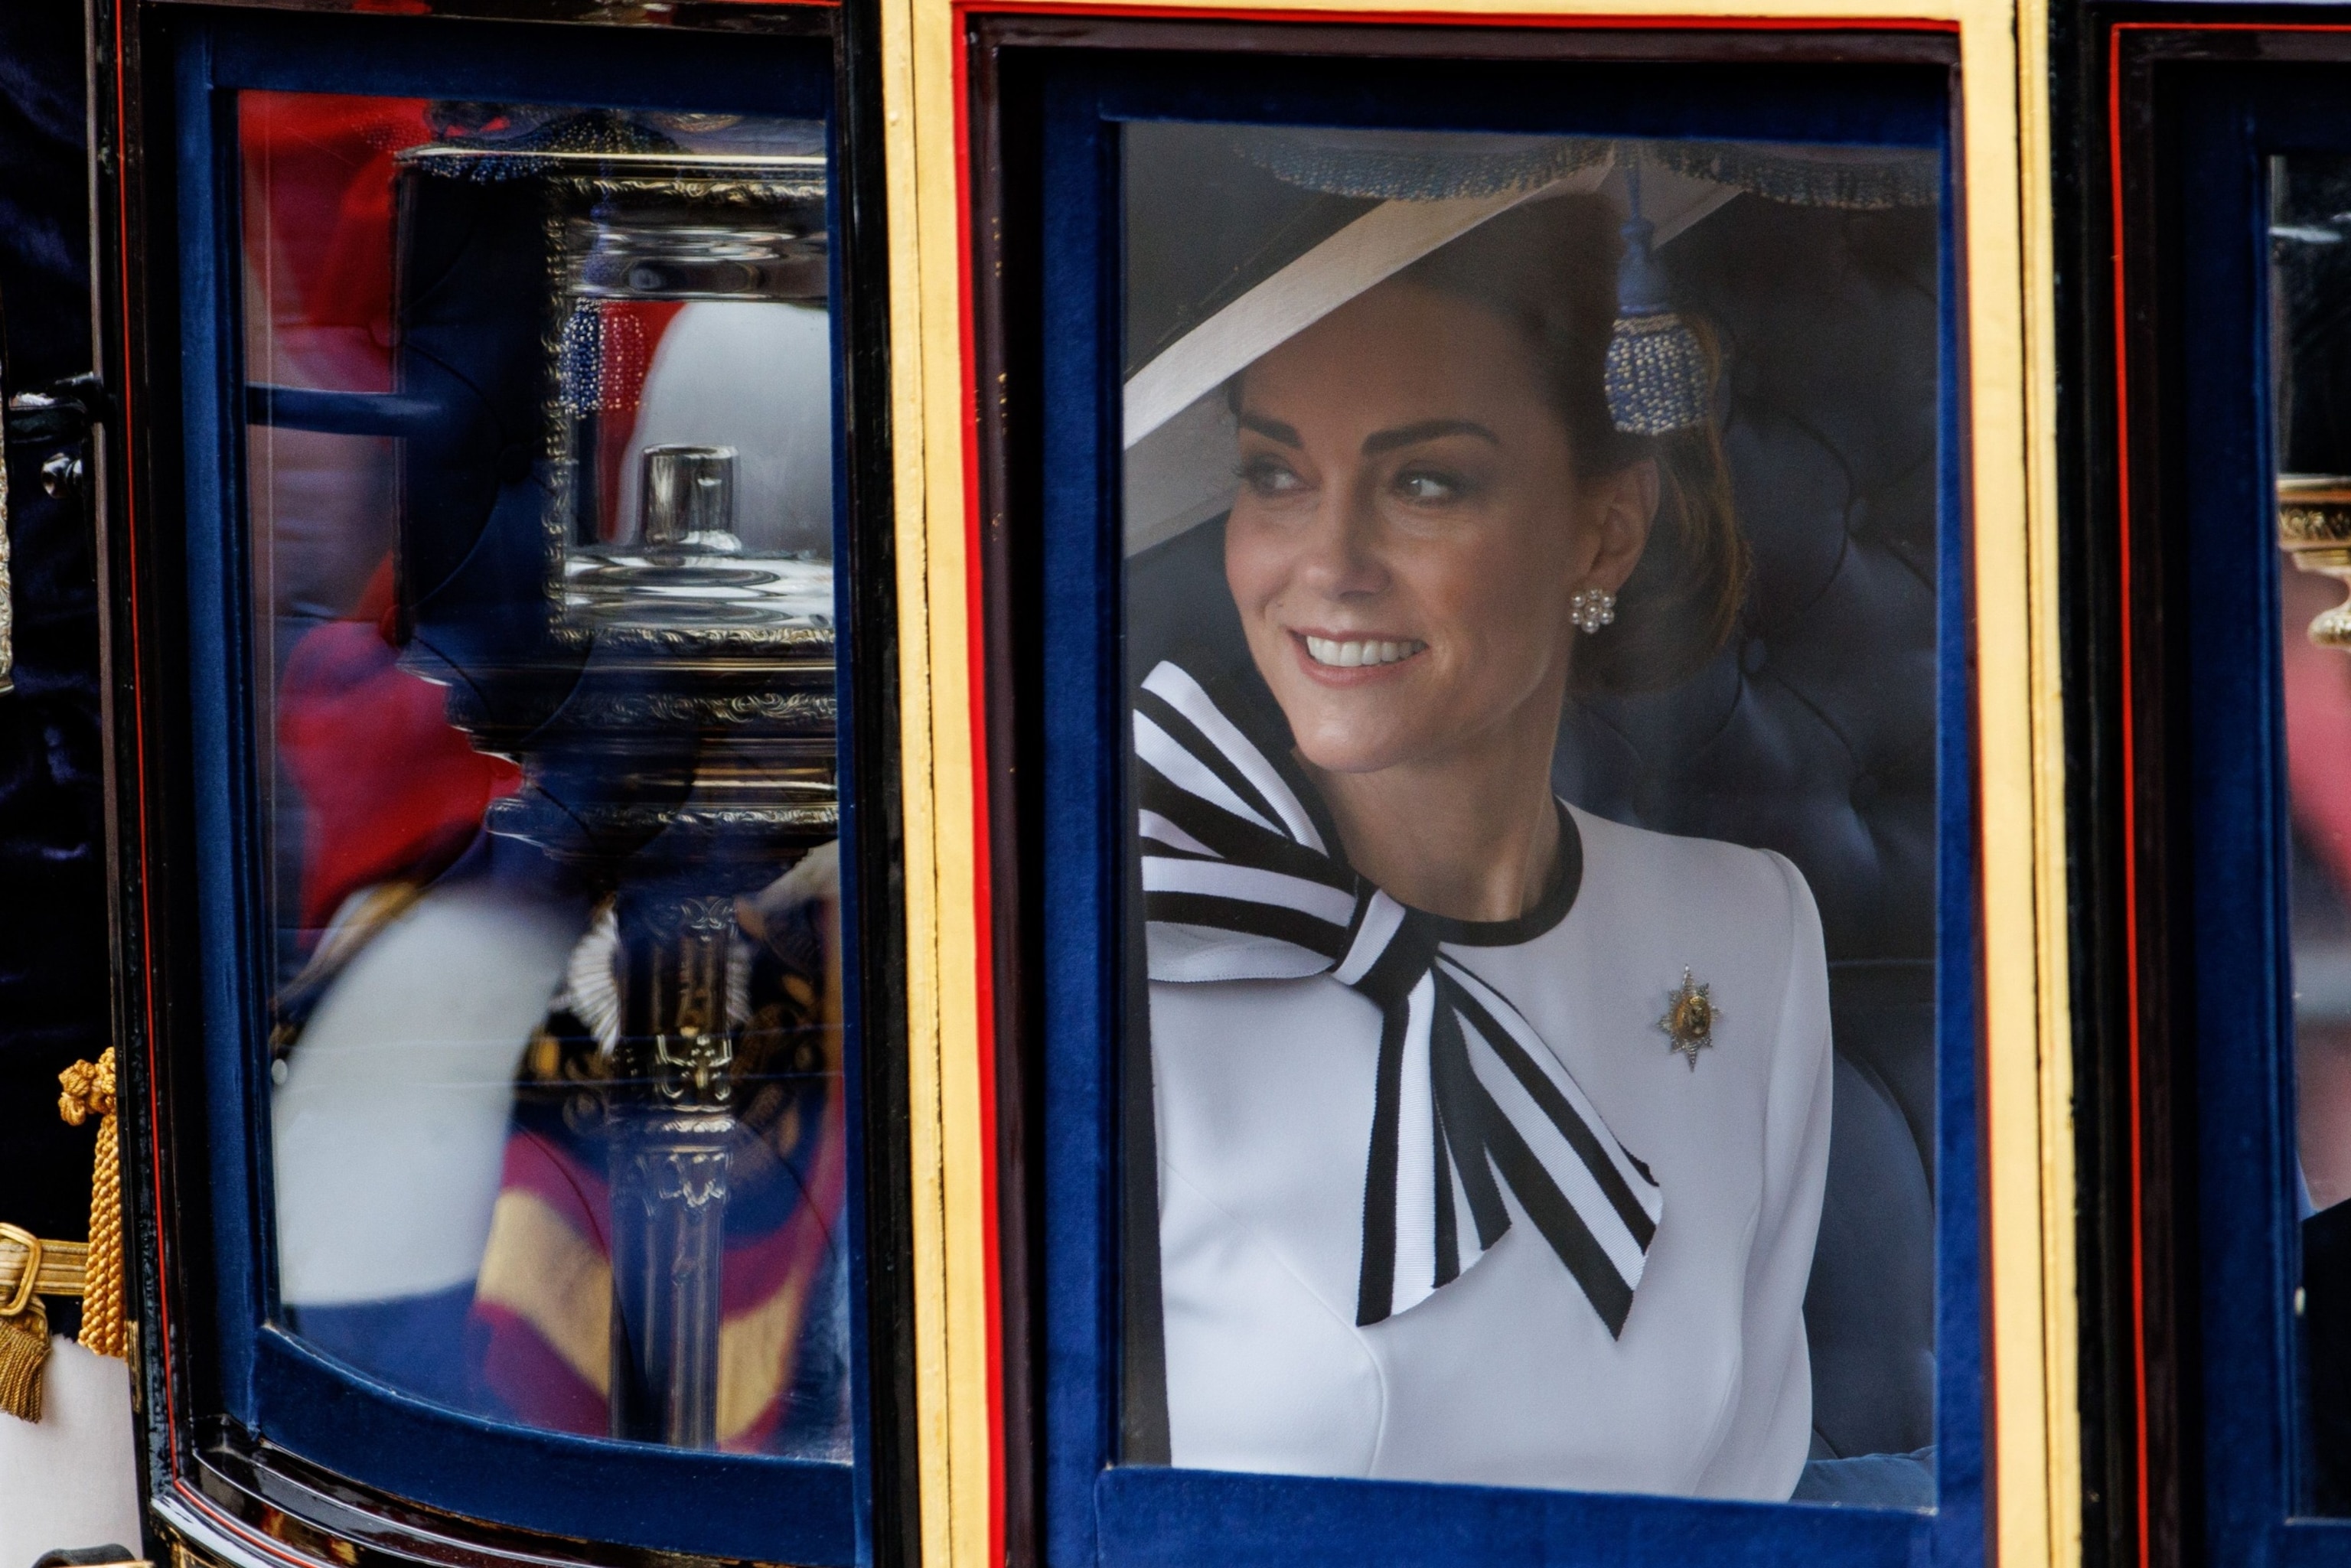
x=540, y=501
x=2310, y=288
x=1531, y=621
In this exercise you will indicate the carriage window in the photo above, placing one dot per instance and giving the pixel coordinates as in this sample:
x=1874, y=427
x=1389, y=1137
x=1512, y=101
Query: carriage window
x=540, y=495
x=1532, y=607
x=2311, y=206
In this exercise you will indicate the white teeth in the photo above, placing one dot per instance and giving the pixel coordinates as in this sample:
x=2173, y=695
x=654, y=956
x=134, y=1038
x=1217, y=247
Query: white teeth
x=1352, y=655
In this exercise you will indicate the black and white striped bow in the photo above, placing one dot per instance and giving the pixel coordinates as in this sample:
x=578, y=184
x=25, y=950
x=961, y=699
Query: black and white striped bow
x=1240, y=883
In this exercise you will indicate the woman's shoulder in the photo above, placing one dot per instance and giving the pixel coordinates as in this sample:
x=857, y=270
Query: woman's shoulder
x=1611, y=845
x=1739, y=922
x=1679, y=881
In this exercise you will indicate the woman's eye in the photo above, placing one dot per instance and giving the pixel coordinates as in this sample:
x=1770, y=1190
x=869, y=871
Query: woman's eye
x=1270, y=477
x=1426, y=485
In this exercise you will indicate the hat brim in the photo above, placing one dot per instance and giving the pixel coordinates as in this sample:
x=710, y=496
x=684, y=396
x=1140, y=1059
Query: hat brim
x=1178, y=432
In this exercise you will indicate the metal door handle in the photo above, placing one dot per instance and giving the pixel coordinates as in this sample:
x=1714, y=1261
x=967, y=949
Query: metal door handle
x=60, y=416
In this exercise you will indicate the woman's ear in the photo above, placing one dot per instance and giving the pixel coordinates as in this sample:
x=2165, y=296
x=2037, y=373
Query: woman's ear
x=1619, y=510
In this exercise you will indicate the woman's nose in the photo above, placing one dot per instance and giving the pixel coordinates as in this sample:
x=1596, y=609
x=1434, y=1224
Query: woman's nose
x=1343, y=557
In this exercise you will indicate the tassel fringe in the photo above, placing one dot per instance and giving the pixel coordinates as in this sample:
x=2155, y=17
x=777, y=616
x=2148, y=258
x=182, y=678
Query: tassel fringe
x=1658, y=375
x=24, y=1352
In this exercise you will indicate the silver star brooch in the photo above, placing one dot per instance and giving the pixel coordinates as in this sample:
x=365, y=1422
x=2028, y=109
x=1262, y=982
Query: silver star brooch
x=1691, y=1017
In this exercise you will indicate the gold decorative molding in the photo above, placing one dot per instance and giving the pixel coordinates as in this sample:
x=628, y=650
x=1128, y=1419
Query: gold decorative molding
x=2314, y=530
x=713, y=710
x=2003, y=161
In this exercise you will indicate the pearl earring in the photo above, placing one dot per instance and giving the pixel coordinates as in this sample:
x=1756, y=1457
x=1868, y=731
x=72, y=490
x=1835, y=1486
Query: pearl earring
x=1592, y=608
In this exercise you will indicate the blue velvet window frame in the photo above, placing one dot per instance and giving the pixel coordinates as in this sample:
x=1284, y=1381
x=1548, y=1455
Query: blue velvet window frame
x=2230, y=122
x=731, y=1506
x=1094, y=1510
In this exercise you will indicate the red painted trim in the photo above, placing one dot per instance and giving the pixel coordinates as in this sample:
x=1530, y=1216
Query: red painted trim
x=975, y=589
x=2131, y=790
x=2231, y=27
x=965, y=8
x=2136, y=1024
x=268, y=1546
x=125, y=398
x=983, y=882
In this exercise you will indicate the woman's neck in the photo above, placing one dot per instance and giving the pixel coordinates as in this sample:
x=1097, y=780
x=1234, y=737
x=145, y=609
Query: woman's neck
x=1473, y=837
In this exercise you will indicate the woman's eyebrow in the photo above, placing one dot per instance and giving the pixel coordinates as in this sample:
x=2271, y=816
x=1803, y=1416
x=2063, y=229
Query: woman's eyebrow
x=1427, y=430
x=1271, y=429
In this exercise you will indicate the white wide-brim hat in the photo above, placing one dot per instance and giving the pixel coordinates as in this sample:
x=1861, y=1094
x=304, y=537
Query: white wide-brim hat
x=1389, y=199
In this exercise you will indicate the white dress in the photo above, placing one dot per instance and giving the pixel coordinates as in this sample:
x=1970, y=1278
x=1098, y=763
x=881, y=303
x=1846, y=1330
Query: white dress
x=1507, y=1375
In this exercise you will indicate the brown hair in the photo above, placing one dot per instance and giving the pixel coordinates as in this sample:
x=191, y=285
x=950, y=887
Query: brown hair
x=1549, y=268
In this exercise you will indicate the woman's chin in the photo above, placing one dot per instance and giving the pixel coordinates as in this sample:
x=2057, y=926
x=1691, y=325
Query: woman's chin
x=1335, y=737
x=1358, y=718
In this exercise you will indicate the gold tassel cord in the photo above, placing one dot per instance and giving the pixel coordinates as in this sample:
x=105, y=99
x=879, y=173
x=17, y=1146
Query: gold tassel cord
x=90, y=1091
x=31, y=1268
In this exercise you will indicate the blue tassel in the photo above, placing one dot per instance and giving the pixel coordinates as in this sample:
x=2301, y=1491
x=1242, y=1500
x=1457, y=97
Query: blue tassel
x=1658, y=378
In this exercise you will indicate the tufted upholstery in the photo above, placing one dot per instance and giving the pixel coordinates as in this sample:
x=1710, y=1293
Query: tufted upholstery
x=1812, y=733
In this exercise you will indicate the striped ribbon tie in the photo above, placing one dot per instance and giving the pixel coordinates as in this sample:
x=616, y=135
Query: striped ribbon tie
x=1241, y=881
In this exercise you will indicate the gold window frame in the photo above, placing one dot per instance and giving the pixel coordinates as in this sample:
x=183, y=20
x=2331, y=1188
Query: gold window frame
x=2007, y=372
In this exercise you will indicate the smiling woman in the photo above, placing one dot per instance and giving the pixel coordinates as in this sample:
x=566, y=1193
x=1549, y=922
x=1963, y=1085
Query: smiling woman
x=1491, y=1135
x=1433, y=491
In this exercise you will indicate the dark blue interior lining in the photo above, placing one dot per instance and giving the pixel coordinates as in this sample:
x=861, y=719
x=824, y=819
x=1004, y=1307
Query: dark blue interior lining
x=725, y=1505
x=1961, y=1347
x=2218, y=538
x=507, y=62
x=1197, y=1518
x=1140, y=1515
x=730, y=1506
x=231, y=973
x=1876, y=106
x=857, y=969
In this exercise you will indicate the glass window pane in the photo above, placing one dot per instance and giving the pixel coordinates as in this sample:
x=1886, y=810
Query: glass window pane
x=1533, y=616
x=539, y=478
x=2310, y=203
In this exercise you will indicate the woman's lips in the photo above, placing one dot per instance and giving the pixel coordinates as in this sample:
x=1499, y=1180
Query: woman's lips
x=1344, y=658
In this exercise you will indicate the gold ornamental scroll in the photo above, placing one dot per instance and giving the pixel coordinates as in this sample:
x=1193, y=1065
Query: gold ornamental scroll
x=2313, y=528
